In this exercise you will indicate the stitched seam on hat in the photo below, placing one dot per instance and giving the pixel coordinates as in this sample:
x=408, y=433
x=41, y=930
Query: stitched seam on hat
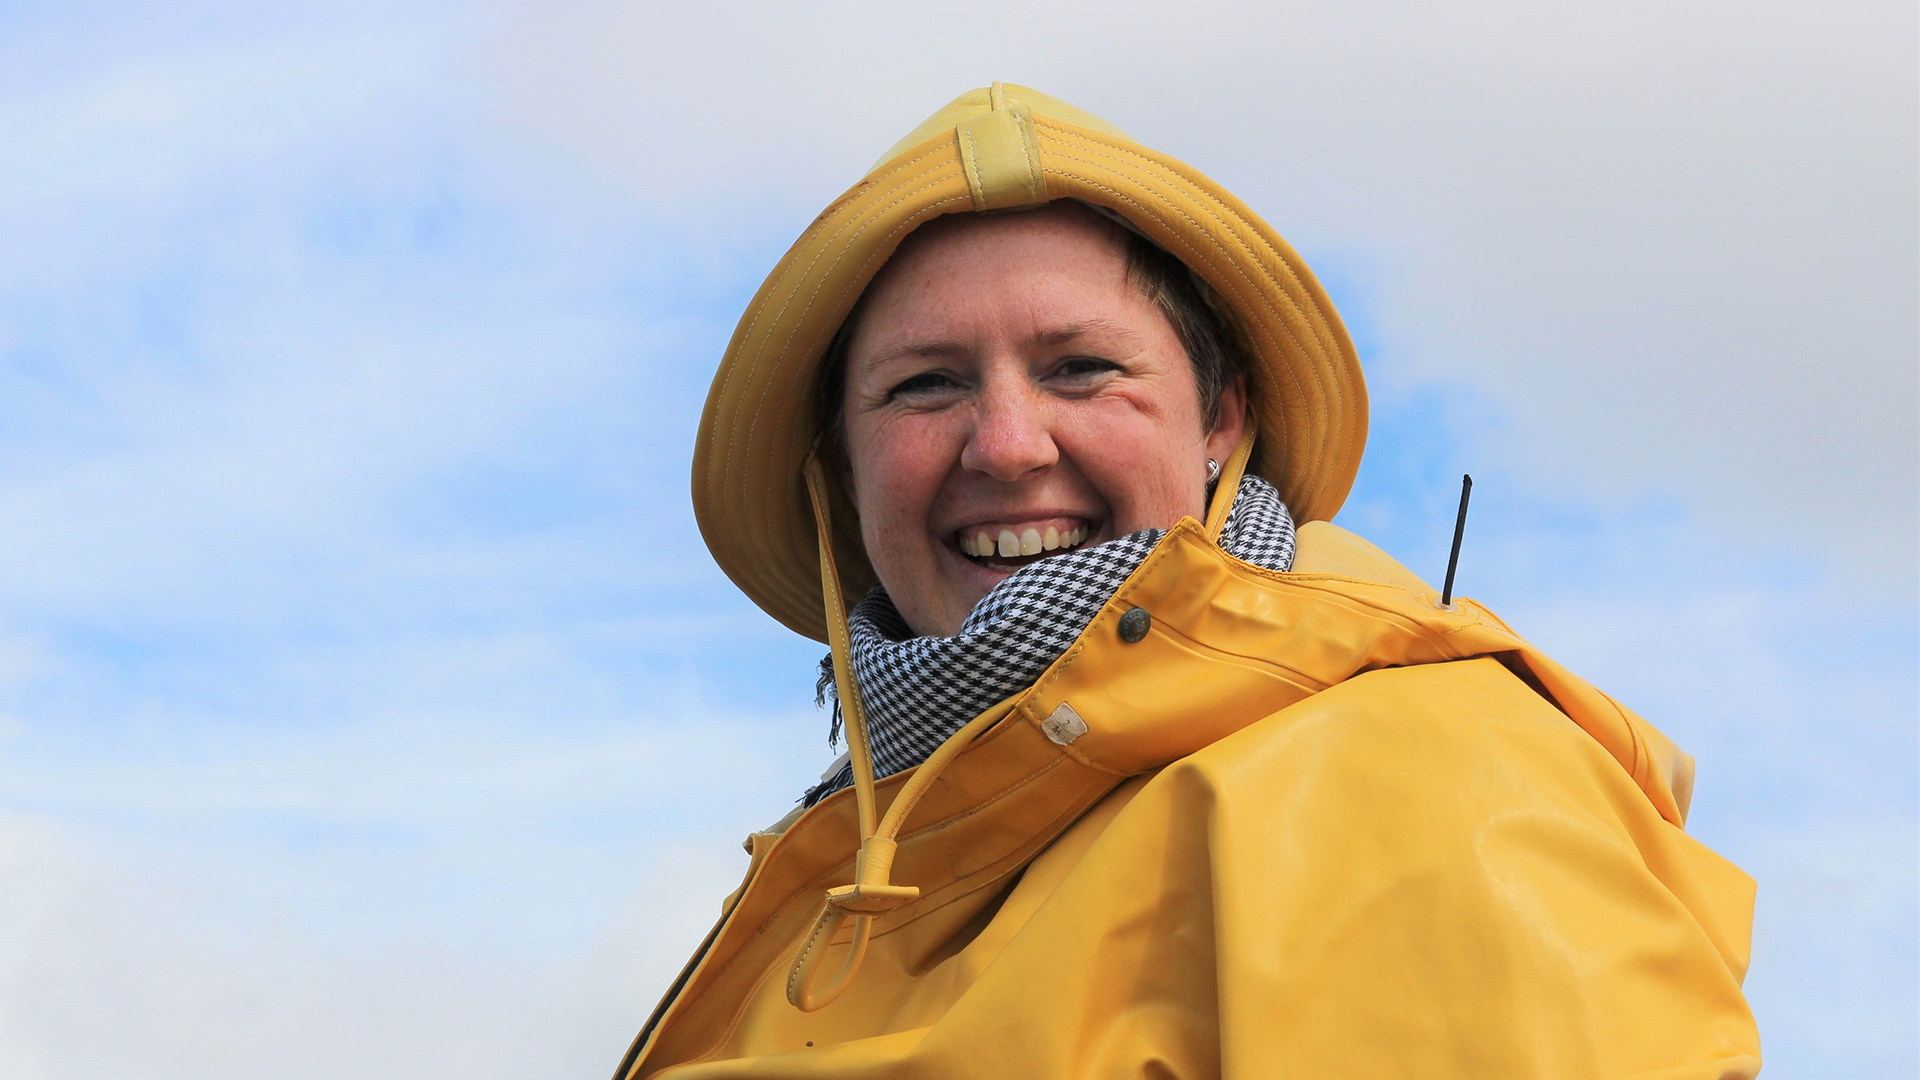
x=970, y=164
x=803, y=235
x=727, y=450
x=1321, y=326
x=780, y=358
x=1036, y=182
x=1293, y=279
x=760, y=309
x=1100, y=149
x=794, y=289
x=791, y=286
x=1310, y=480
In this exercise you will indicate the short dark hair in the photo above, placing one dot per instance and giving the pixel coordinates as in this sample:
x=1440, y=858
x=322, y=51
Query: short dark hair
x=1213, y=345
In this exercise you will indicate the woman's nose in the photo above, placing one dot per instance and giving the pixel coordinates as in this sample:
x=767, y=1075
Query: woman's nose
x=1012, y=434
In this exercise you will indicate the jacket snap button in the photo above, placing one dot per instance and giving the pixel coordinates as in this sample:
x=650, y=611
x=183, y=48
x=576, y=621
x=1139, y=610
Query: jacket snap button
x=1134, y=625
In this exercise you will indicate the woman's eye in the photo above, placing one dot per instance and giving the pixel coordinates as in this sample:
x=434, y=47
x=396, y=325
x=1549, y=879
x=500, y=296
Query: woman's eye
x=1083, y=368
x=921, y=385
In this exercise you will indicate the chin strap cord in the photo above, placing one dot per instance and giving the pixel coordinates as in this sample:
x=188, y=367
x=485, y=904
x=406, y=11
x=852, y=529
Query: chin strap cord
x=1228, y=484
x=872, y=892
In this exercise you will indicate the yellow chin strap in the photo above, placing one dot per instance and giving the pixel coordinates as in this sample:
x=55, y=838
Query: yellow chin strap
x=1229, y=482
x=871, y=893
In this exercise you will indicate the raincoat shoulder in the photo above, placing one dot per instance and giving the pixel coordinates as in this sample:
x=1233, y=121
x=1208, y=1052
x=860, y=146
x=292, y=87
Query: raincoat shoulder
x=1310, y=824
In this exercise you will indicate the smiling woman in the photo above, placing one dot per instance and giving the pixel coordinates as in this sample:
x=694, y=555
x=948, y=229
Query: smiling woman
x=1151, y=771
x=1012, y=391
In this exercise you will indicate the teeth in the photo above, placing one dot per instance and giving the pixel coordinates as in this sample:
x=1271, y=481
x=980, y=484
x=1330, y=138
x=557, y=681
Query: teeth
x=1011, y=545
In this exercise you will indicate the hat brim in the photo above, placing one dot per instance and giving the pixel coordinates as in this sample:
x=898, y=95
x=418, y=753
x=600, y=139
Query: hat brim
x=1308, y=396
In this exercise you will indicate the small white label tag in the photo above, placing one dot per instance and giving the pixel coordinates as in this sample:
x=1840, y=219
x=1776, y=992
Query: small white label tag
x=1063, y=725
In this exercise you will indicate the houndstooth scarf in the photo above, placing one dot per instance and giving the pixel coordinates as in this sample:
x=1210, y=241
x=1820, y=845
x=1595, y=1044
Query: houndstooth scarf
x=920, y=690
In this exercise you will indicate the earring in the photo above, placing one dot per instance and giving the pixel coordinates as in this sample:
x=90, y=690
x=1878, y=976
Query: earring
x=1213, y=472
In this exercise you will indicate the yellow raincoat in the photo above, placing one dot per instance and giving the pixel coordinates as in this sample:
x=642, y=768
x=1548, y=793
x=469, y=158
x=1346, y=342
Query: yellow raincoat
x=1295, y=824
x=1315, y=826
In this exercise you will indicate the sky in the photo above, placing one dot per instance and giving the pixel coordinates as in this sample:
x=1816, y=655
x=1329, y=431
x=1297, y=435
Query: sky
x=369, y=705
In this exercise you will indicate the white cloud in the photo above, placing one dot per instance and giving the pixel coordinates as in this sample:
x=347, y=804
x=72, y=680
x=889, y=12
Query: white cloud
x=1675, y=241
x=117, y=966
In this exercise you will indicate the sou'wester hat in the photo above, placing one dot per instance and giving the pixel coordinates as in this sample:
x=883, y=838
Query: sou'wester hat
x=1002, y=148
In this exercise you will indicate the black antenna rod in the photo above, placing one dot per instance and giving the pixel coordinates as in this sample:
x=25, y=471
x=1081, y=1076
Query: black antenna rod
x=1459, y=530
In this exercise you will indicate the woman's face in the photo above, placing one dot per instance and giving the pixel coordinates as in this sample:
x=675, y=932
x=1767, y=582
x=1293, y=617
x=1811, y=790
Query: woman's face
x=1010, y=396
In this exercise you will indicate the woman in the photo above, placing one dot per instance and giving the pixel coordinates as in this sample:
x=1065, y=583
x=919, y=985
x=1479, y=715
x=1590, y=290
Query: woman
x=1152, y=771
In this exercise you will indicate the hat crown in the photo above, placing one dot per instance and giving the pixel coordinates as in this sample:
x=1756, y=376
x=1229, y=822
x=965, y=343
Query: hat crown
x=999, y=97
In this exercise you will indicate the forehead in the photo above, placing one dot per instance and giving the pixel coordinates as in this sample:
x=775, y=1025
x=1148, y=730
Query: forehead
x=947, y=268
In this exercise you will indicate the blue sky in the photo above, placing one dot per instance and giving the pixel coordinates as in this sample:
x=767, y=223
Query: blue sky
x=369, y=705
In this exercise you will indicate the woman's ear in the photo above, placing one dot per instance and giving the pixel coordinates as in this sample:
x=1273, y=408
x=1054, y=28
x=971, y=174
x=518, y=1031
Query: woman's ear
x=1232, y=424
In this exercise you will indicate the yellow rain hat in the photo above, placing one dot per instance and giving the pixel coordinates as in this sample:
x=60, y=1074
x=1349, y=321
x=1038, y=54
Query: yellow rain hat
x=1004, y=147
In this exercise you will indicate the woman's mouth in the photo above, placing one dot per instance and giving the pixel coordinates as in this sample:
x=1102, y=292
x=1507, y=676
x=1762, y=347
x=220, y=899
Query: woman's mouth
x=1011, y=546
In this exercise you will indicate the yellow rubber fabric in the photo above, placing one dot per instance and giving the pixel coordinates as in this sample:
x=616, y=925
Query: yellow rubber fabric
x=1316, y=826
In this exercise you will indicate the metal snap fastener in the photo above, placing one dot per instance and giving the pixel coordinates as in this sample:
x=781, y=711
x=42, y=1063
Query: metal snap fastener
x=1134, y=625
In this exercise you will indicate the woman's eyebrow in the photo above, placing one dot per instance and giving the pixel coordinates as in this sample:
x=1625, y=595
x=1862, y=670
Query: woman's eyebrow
x=916, y=350
x=1060, y=335
x=1052, y=336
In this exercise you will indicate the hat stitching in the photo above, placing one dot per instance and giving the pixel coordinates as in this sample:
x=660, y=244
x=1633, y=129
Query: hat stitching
x=786, y=278
x=1322, y=327
x=782, y=583
x=1312, y=303
x=1292, y=286
x=830, y=210
x=793, y=283
x=1033, y=172
x=820, y=282
x=968, y=165
x=1112, y=150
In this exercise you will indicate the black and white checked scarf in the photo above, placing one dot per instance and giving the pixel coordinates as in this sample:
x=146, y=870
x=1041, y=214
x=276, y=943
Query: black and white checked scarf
x=920, y=690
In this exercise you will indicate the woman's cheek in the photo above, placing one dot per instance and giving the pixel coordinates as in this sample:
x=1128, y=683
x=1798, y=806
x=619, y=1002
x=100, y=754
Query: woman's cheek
x=905, y=471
